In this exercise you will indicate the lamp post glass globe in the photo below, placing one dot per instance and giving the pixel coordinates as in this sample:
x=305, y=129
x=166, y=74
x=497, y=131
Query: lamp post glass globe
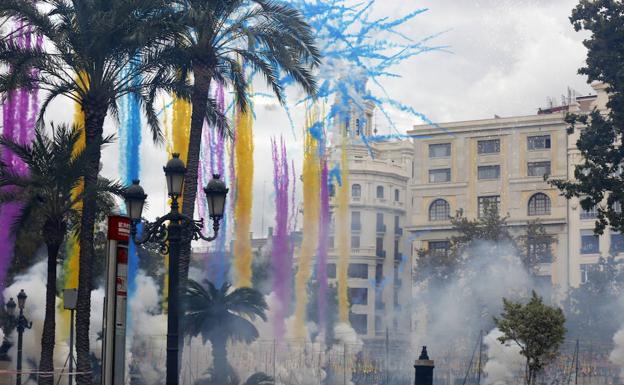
x=216, y=192
x=135, y=200
x=174, y=172
x=21, y=299
x=10, y=307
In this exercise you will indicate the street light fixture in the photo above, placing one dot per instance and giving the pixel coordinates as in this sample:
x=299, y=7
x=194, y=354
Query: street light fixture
x=21, y=324
x=170, y=231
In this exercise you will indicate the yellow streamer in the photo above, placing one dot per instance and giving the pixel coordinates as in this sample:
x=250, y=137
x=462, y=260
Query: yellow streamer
x=242, y=212
x=180, y=133
x=342, y=226
x=311, y=212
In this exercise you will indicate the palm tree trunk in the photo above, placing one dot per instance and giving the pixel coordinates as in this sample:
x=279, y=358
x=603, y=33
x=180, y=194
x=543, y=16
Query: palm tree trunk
x=46, y=363
x=199, y=101
x=219, y=360
x=94, y=122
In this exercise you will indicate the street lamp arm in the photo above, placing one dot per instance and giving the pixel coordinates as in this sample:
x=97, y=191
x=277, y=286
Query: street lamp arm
x=198, y=226
x=152, y=232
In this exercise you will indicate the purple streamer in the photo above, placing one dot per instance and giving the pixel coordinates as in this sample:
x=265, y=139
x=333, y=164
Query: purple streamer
x=19, y=114
x=281, y=256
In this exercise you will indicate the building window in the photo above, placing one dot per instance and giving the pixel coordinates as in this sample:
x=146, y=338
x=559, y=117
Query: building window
x=331, y=242
x=379, y=329
x=380, y=226
x=378, y=273
x=539, y=204
x=617, y=243
x=380, y=192
x=356, y=224
x=488, y=202
x=489, y=172
x=397, y=253
x=332, y=190
x=538, y=142
x=585, y=271
x=358, y=295
x=355, y=242
x=540, y=251
x=359, y=323
x=589, y=242
x=592, y=213
x=439, y=210
x=397, y=195
x=358, y=270
x=441, y=175
x=356, y=191
x=439, y=248
x=441, y=150
x=490, y=146
x=331, y=270
x=538, y=168
x=397, y=224
x=379, y=247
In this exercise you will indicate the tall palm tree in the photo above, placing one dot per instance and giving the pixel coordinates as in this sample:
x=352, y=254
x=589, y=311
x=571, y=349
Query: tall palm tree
x=270, y=36
x=94, y=52
x=220, y=315
x=48, y=205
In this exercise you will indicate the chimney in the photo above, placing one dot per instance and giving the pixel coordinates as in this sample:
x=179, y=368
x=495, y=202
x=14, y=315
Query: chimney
x=424, y=369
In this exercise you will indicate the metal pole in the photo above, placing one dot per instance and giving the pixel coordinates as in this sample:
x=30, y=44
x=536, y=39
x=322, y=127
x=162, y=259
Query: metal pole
x=344, y=362
x=20, y=334
x=480, y=355
x=173, y=302
x=387, y=356
x=70, y=378
x=576, y=366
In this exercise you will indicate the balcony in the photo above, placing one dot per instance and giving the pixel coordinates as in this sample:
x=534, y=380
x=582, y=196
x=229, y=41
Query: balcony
x=364, y=251
x=381, y=253
x=398, y=231
x=381, y=229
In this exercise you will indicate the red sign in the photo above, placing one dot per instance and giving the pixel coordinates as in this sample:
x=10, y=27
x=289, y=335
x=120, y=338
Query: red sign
x=118, y=228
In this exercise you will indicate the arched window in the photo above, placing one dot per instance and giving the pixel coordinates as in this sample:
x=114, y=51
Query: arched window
x=380, y=192
x=539, y=204
x=440, y=210
x=397, y=195
x=356, y=191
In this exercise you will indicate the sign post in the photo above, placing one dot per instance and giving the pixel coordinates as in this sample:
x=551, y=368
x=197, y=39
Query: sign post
x=115, y=301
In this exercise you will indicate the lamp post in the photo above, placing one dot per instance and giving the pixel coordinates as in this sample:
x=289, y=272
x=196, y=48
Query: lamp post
x=170, y=231
x=21, y=323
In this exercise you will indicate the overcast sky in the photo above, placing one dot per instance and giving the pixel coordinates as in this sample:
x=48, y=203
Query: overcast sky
x=506, y=58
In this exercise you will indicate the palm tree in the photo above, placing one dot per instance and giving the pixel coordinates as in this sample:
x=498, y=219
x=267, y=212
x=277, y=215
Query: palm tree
x=94, y=52
x=48, y=205
x=271, y=37
x=220, y=315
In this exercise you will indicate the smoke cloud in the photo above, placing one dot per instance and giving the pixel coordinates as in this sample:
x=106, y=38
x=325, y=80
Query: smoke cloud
x=504, y=360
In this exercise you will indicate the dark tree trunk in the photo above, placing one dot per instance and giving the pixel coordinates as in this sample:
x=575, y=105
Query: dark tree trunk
x=94, y=120
x=219, y=360
x=46, y=363
x=199, y=101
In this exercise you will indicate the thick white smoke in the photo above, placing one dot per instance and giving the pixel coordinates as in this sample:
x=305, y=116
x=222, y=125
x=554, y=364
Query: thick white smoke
x=504, y=361
x=451, y=314
x=617, y=355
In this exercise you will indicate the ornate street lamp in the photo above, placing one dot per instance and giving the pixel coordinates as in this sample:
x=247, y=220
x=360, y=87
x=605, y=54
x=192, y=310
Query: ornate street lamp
x=21, y=324
x=170, y=231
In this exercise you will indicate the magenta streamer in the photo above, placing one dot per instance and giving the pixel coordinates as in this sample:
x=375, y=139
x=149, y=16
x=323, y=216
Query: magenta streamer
x=281, y=256
x=323, y=246
x=19, y=115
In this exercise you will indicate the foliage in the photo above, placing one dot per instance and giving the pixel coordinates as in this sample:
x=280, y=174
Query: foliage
x=220, y=315
x=258, y=378
x=489, y=234
x=590, y=309
x=216, y=40
x=598, y=179
x=536, y=328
